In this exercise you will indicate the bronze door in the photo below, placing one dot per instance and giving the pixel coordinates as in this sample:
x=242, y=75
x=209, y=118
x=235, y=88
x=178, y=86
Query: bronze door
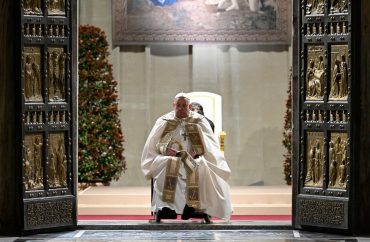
x=323, y=190
x=48, y=80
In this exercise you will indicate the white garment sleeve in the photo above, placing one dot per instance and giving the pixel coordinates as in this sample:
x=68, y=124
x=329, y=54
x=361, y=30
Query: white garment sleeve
x=213, y=175
x=213, y=156
x=152, y=162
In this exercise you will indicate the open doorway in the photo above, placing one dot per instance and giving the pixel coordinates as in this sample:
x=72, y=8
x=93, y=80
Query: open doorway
x=252, y=80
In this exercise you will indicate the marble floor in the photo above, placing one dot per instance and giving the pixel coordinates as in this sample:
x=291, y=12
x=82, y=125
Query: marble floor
x=188, y=235
x=190, y=230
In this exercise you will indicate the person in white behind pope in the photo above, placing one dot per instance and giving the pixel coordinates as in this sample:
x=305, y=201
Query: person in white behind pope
x=189, y=172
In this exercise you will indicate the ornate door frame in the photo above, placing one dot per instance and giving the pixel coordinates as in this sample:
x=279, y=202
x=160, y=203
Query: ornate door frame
x=49, y=113
x=41, y=89
x=330, y=91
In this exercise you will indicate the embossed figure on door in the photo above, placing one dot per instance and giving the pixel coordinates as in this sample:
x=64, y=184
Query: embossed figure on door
x=32, y=7
x=32, y=74
x=315, y=73
x=32, y=163
x=315, y=7
x=56, y=7
x=339, y=73
x=314, y=158
x=338, y=6
x=56, y=72
x=338, y=160
x=57, y=164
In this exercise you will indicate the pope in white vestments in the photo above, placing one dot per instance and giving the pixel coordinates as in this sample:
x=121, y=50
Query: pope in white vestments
x=182, y=157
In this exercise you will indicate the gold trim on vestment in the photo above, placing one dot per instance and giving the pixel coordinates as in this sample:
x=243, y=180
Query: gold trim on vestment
x=166, y=137
x=192, y=189
x=170, y=182
x=195, y=139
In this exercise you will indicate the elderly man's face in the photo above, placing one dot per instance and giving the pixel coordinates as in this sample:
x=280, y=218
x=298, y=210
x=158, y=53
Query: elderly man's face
x=181, y=107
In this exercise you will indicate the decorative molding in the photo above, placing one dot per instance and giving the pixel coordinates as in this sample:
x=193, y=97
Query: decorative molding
x=48, y=214
x=322, y=212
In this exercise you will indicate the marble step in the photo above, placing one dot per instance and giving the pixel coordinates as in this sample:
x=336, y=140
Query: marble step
x=144, y=209
x=141, y=195
x=261, y=200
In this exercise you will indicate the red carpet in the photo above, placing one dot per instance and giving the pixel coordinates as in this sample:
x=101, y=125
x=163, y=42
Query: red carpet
x=147, y=217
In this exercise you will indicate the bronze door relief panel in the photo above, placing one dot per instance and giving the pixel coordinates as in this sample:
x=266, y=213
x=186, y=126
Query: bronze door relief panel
x=32, y=7
x=338, y=72
x=47, y=105
x=56, y=69
x=56, y=7
x=324, y=113
x=32, y=74
x=57, y=161
x=315, y=73
x=33, y=162
x=314, y=159
x=338, y=158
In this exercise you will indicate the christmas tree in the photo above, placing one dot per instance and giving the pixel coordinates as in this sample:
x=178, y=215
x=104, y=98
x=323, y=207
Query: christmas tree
x=287, y=133
x=100, y=157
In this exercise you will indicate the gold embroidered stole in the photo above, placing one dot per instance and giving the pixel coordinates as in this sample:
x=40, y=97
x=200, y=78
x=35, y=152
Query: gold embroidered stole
x=173, y=165
x=171, y=125
x=170, y=182
x=195, y=139
x=192, y=178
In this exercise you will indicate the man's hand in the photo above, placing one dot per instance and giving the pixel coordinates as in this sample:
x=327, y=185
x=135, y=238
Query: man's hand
x=193, y=154
x=171, y=152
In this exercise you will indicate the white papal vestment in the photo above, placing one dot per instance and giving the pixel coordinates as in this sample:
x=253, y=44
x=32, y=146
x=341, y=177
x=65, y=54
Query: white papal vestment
x=212, y=168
